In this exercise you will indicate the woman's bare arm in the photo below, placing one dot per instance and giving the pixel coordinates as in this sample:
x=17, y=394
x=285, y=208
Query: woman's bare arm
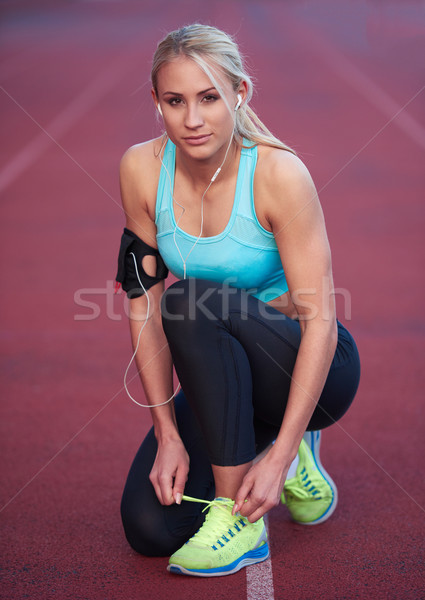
x=153, y=359
x=297, y=222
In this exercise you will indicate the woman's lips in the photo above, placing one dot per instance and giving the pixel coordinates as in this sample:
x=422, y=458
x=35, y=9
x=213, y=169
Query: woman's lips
x=197, y=140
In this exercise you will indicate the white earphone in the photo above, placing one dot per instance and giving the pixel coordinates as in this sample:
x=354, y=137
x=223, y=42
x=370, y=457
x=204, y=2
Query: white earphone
x=184, y=260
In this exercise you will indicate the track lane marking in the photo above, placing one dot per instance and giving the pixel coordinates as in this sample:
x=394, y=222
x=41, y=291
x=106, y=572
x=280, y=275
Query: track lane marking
x=259, y=577
x=78, y=107
x=360, y=82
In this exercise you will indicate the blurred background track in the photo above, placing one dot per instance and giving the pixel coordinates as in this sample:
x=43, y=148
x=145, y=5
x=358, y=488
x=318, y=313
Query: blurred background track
x=343, y=83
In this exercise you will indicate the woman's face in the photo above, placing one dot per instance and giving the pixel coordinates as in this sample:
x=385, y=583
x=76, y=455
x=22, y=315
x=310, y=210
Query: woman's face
x=196, y=117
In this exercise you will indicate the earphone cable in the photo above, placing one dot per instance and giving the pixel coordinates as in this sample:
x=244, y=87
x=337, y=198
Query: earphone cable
x=184, y=260
x=137, y=348
x=213, y=178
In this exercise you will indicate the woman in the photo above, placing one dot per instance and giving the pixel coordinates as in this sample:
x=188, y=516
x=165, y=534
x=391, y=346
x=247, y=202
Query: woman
x=250, y=326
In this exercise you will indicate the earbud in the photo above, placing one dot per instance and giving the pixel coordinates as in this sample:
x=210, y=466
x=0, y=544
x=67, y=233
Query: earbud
x=239, y=97
x=159, y=109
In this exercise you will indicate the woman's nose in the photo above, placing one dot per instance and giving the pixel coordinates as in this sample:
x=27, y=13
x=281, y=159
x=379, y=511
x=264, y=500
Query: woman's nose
x=193, y=117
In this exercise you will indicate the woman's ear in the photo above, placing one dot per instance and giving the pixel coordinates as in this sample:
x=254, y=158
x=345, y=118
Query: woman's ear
x=243, y=92
x=156, y=101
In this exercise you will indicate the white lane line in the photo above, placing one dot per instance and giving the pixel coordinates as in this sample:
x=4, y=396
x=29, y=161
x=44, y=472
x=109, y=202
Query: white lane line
x=375, y=95
x=259, y=578
x=362, y=84
x=88, y=98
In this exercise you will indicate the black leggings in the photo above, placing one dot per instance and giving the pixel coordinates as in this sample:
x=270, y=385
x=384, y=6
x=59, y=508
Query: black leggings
x=234, y=356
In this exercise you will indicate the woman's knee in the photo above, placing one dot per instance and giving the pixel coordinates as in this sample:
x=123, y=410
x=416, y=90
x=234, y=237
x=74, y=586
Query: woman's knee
x=187, y=303
x=144, y=532
x=174, y=301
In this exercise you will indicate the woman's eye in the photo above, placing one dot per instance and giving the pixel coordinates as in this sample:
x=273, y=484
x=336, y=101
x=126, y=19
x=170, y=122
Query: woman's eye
x=176, y=101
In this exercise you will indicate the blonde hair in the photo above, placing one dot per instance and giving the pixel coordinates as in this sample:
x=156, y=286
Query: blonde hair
x=211, y=47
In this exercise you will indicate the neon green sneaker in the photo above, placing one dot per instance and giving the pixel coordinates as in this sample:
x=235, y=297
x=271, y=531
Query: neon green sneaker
x=311, y=496
x=222, y=545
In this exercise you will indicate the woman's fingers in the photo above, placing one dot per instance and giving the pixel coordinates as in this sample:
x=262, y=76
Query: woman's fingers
x=154, y=481
x=169, y=473
x=163, y=490
x=179, y=483
x=166, y=486
x=259, y=492
x=242, y=495
x=256, y=507
x=162, y=481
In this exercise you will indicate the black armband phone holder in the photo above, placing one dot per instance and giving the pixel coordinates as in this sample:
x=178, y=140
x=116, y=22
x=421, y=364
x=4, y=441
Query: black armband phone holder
x=132, y=250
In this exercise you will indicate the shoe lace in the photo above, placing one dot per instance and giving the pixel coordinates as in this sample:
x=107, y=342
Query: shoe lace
x=302, y=487
x=219, y=525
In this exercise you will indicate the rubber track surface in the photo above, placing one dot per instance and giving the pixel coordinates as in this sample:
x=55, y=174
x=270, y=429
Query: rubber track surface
x=340, y=81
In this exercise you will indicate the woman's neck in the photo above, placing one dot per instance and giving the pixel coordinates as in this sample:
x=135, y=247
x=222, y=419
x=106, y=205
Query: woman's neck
x=200, y=172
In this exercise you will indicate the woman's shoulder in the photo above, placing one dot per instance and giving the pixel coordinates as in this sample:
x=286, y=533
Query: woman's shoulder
x=279, y=166
x=283, y=182
x=139, y=173
x=140, y=167
x=280, y=173
x=142, y=158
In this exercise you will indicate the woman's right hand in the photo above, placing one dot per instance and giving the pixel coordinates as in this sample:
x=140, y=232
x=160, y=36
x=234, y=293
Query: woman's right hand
x=169, y=472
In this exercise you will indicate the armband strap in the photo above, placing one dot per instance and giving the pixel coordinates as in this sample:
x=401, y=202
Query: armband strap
x=131, y=245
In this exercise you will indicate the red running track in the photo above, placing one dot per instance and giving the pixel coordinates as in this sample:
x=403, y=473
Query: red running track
x=340, y=81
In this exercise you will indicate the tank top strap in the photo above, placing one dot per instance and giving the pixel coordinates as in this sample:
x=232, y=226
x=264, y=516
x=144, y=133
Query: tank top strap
x=165, y=189
x=244, y=197
x=249, y=156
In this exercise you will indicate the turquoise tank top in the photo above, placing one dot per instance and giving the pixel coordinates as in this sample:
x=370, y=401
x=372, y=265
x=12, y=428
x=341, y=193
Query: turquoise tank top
x=243, y=255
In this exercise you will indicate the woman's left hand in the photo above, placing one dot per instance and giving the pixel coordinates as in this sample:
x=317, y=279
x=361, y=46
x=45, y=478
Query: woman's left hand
x=261, y=488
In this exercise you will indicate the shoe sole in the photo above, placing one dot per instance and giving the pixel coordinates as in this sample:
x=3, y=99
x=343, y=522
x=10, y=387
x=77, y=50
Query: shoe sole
x=250, y=558
x=315, y=447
